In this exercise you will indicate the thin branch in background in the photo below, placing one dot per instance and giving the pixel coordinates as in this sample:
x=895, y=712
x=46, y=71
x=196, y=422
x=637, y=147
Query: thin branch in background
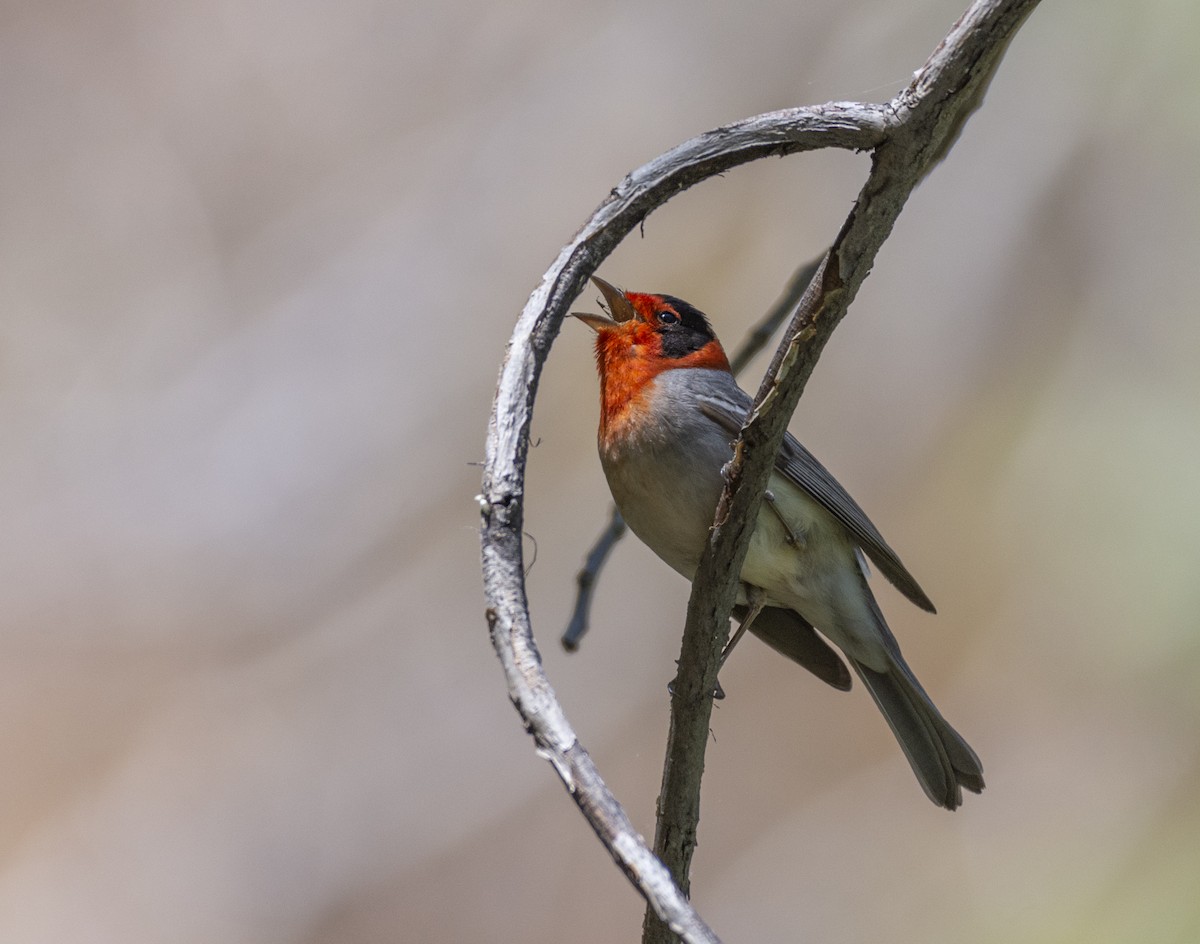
x=586, y=579
x=754, y=341
x=907, y=136
x=758, y=336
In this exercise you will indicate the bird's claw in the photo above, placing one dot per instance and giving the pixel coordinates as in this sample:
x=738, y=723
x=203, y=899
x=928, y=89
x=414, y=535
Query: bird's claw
x=790, y=536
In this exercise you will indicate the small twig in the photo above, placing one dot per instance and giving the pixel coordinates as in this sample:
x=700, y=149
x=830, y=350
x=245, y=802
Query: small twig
x=752, y=343
x=762, y=332
x=587, y=577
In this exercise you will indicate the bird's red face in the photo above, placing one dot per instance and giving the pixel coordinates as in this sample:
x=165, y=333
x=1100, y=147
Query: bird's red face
x=642, y=336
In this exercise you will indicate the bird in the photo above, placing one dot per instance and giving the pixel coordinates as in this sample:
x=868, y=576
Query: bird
x=669, y=412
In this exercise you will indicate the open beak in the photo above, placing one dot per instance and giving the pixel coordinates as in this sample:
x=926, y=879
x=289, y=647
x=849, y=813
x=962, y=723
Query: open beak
x=619, y=309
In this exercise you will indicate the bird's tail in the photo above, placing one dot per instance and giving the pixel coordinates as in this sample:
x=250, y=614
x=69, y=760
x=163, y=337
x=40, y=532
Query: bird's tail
x=943, y=762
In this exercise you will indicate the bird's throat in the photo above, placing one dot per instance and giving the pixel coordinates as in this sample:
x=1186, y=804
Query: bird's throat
x=629, y=360
x=626, y=377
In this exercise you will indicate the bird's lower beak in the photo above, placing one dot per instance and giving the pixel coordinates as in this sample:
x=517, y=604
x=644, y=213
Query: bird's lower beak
x=595, y=322
x=619, y=309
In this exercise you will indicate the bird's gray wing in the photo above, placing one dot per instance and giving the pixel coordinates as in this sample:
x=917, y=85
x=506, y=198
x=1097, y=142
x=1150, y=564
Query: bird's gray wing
x=791, y=635
x=799, y=466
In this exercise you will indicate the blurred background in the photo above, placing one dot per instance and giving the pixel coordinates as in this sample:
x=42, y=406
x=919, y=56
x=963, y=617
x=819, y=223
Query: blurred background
x=258, y=265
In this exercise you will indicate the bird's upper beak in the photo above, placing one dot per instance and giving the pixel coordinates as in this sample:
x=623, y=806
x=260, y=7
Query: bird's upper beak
x=619, y=308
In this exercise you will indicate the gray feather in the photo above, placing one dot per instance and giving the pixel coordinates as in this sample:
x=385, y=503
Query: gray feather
x=791, y=635
x=943, y=762
x=797, y=465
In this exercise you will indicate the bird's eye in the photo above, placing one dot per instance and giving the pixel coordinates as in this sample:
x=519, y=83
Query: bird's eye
x=668, y=317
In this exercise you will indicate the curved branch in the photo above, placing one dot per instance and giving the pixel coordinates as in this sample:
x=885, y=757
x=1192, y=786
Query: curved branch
x=502, y=498
x=907, y=135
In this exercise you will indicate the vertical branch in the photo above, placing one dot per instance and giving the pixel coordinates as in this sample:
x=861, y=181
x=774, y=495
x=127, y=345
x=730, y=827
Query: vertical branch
x=926, y=124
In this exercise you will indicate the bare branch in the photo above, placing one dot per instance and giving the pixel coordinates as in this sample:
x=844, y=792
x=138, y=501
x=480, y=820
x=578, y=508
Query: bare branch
x=586, y=579
x=761, y=333
x=928, y=114
x=907, y=135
